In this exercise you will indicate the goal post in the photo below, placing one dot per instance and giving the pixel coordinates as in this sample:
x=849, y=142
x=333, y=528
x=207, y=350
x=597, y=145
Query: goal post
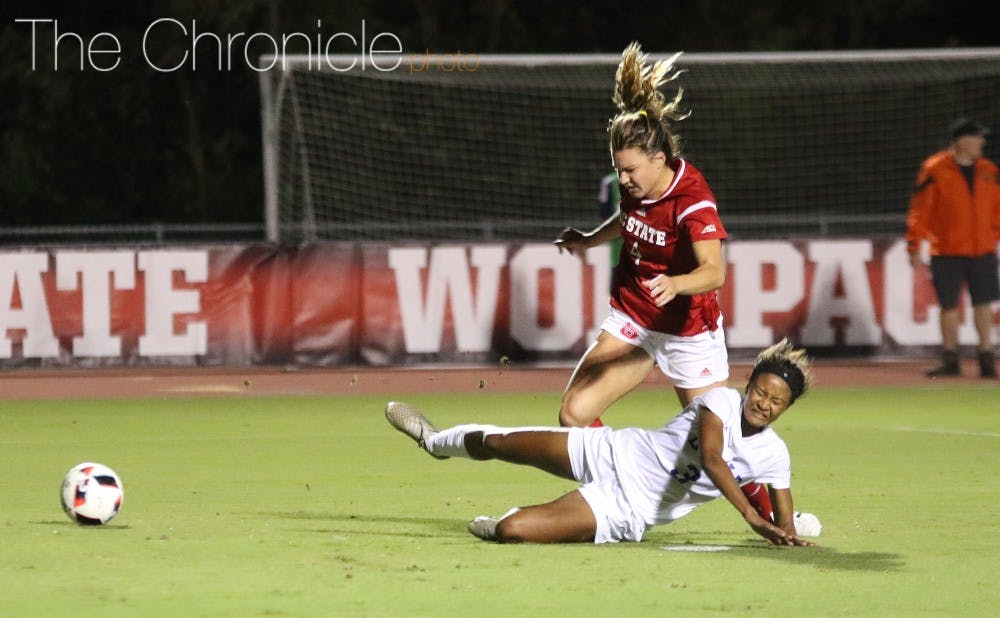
x=515, y=146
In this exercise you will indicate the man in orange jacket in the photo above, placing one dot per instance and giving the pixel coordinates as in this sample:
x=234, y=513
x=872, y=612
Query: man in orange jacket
x=956, y=206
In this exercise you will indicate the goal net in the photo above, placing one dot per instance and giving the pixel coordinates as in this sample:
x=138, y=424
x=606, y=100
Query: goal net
x=515, y=147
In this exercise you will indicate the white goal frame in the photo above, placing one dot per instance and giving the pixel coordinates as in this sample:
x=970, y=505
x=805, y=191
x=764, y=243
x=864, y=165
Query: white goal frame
x=276, y=83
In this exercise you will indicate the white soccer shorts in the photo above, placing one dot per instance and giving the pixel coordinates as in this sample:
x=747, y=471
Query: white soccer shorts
x=688, y=362
x=590, y=456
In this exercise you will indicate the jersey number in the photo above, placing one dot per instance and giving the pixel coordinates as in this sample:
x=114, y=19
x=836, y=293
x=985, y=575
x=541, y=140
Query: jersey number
x=635, y=252
x=691, y=475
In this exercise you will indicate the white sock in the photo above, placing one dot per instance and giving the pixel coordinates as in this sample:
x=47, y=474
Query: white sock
x=485, y=527
x=508, y=513
x=451, y=442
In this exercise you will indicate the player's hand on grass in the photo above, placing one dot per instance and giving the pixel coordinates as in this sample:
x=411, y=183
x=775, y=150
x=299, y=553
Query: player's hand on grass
x=797, y=542
x=774, y=534
x=573, y=240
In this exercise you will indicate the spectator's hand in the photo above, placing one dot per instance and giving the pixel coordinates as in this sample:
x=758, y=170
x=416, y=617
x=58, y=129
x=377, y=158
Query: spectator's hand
x=573, y=240
x=662, y=289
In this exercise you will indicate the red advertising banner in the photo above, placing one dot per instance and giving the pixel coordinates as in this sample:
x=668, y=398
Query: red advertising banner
x=328, y=304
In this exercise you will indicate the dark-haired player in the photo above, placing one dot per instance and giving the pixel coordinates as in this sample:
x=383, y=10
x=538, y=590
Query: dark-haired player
x=632, y=479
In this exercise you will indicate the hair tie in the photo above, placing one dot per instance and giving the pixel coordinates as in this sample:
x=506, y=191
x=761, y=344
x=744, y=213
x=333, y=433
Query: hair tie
x=642, y=112
x=788, y=372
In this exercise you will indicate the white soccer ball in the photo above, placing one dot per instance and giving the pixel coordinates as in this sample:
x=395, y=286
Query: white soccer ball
x=92, y=494
x=807, y=524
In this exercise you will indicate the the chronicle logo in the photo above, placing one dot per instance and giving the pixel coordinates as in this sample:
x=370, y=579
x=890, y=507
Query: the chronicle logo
x=169, y=45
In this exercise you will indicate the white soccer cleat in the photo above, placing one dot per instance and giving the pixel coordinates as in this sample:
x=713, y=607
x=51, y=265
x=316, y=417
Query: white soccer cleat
x=412, y=422
x=484, y=527
x=807, y=524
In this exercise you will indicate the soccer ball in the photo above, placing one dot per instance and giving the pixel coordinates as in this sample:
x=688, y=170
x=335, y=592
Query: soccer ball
x=807, y=524
x=91, y=494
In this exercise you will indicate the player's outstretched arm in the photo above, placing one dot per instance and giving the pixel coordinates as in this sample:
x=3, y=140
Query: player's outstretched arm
x=784, y=515
x=710, y=442
x=577, y=242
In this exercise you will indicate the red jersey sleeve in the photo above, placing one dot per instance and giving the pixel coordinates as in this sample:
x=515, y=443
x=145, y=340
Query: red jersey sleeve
x=700, y=221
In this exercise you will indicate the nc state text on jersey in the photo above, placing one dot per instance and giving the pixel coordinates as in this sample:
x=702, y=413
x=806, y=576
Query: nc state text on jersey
x=644, y=232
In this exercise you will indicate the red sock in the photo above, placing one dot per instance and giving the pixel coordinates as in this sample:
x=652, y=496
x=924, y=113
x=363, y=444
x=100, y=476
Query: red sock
x=759, y=497
x=597, y=423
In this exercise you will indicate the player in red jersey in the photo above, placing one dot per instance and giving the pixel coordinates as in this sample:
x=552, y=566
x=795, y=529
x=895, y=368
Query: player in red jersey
x=664, y=309
x=664, y=305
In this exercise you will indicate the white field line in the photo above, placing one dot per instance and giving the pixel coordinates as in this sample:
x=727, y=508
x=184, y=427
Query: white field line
x=950, y=432
x=696, y=548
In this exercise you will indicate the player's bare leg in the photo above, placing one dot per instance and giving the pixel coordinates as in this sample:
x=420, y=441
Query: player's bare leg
x=545, y=450
x=609, y=370
x=687, y=395
x=567, y=519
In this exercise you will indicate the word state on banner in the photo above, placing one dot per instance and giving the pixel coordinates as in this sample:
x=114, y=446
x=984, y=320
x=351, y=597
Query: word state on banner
x=96, y=275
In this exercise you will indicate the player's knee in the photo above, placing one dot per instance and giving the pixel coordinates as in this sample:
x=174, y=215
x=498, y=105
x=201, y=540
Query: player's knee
x=511, y=529
x=575, y=411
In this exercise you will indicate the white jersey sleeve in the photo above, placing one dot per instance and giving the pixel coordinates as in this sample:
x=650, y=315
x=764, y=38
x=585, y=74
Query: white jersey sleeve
x=762, y=457
x=660, y=470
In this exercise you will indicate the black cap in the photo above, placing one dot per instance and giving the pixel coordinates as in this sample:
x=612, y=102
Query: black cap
x=967, y=126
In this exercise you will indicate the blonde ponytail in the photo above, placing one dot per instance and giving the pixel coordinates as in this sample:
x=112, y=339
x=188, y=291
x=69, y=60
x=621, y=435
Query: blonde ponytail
x=644, y=114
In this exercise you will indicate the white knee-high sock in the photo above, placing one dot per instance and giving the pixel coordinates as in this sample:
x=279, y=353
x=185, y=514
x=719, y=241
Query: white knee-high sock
x=451, y=442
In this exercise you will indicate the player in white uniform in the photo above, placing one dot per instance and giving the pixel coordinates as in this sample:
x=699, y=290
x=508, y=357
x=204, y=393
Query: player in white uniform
x=633, y=478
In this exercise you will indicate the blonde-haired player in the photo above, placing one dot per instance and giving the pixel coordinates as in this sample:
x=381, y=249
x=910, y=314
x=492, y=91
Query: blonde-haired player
x=664, y=309
x=633, y=478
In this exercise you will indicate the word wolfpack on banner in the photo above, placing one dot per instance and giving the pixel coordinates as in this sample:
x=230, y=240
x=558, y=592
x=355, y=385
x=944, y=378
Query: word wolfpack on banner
x=333, y=304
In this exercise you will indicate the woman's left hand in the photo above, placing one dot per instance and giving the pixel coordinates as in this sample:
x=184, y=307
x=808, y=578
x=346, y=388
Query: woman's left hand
x=662, y=289
x=573, y=240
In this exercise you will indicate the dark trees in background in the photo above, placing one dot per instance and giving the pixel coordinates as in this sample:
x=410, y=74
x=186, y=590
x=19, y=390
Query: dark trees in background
x=135, y=145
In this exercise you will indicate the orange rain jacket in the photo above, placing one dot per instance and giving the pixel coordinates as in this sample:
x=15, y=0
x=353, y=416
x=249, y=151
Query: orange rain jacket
x=954, y=219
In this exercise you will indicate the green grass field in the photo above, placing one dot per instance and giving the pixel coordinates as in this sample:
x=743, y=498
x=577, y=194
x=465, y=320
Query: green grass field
x=317, y=507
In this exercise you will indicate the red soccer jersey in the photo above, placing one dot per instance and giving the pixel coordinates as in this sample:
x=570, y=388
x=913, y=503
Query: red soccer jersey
x=658, y=237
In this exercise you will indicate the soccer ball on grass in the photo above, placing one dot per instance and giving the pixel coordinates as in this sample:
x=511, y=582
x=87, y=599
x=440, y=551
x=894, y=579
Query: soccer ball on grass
x=91, y=494
x=807, y=524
